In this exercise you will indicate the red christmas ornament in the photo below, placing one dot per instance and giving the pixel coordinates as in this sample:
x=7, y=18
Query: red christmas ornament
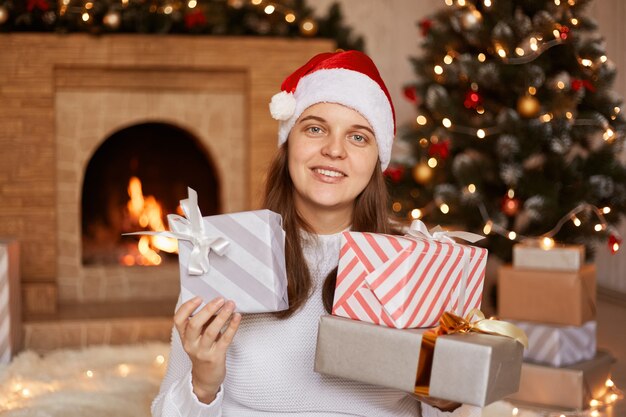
x=37, y=4
x=440, y=149
x=195, y=18
x=578, y=83
x=510, y=206
x=614, y=243
x=472, y=100
x=394, y=173
x=425, y=25
x=410, y=93
x=564, y=32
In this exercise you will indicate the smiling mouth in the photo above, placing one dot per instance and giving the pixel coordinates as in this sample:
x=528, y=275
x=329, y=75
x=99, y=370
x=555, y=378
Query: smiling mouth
x=329, y=173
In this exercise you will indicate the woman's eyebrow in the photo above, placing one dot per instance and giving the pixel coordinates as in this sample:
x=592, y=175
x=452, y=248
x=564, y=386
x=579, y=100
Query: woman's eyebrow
x=365, y=128
x=319, y=119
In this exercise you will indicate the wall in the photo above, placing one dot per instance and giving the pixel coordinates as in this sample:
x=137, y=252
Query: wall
x=391, y=37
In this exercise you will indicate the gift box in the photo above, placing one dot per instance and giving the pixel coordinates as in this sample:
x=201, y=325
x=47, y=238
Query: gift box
x=239, y=256
x=470, y=368
x=407, y=281
x=551, y=297
x=10, y=300
x=559, y=345
x=531, y=255
x=571, y=387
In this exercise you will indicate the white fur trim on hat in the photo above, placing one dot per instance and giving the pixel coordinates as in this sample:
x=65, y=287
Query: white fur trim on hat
x=352, y=89
x=282, y=105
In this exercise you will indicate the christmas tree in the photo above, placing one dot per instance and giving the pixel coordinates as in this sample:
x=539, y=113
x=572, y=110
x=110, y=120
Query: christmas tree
x=517, y=131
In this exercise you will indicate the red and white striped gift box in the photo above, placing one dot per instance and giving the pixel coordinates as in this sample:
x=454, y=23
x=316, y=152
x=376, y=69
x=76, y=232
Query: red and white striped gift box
x=406, y=282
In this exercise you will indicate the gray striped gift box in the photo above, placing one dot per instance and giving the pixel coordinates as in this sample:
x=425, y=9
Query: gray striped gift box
x=559, y=345
x=10, y=318
x=251, y=271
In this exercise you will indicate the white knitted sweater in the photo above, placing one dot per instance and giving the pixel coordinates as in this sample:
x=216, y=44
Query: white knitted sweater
x=270, y=368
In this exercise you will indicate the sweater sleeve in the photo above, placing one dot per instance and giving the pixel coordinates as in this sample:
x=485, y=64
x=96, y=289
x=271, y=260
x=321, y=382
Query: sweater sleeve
x=176, y=397
x=463, y=411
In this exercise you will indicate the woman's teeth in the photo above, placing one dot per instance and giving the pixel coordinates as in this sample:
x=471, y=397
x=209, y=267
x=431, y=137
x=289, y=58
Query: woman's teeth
x=329, y=173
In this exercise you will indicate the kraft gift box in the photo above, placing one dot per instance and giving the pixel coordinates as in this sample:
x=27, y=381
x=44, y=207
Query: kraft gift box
x=550, y=297
x=559, y=345
x=406, y=282
x=558, y=258
x=470, y=368
x=570, y=387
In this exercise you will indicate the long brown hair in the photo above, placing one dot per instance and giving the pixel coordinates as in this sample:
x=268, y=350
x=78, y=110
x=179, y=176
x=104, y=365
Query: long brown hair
x=370, y=214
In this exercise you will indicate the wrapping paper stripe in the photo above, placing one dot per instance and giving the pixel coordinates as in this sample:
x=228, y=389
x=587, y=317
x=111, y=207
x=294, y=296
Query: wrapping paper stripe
x=405, y=283
x=559, y=345
x=251, y=272
x=5, y=318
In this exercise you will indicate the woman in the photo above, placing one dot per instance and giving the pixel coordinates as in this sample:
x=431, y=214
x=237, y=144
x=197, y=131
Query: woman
x=336, y=132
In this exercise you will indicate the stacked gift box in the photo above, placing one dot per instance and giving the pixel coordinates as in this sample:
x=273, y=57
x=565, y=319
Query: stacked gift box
x=550, y=293
x=391, y=291
x=10, y=307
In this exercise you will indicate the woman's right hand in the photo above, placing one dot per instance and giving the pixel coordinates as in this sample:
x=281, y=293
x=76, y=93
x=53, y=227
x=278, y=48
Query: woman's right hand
x=205, y=344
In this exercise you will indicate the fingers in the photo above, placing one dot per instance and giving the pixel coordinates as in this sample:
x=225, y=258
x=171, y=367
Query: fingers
x=196, y=324
x=227, y=337
x=213, y=330
x=183, y=313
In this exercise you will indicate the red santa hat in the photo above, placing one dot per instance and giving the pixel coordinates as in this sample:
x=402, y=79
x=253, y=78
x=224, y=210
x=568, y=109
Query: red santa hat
x=349, y=78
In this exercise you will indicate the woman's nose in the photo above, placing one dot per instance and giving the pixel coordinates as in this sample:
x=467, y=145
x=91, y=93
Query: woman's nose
x=334, y=147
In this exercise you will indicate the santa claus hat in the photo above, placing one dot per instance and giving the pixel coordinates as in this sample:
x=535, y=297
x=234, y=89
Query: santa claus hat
x=349, y=78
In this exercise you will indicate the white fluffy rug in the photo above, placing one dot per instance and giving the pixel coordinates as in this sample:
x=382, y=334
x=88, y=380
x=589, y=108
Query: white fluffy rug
x=96, y=381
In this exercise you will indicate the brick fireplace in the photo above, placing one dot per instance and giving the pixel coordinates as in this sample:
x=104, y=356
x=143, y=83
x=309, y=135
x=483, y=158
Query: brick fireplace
x=62, y=97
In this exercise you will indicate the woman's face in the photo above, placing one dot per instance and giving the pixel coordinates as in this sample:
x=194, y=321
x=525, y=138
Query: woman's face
x=332, y=156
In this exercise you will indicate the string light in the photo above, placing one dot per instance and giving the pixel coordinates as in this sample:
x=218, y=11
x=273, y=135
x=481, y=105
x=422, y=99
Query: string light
x=445, y=209
x=586, y=62
x=447, y=59
x=487, y=228
x=480, y=133
x=446, y=122
x=487, y=3
x=432, y=162
x=547, y=243
x=192, y=4
x=438, y=69
x=606, y=210
x=269, y=9
x=481, y=57
x=471, y=188
x=576, y=221
x=416, y=214
x=512, y=235
x=421, y=120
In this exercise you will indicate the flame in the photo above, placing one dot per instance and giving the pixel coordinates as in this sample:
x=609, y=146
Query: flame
x=147, y=212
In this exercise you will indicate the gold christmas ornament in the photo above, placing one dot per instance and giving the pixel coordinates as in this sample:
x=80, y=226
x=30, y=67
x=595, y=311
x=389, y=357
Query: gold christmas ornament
x=422, y=173
x=112, y=20
x=528, y=106
x=4, y=14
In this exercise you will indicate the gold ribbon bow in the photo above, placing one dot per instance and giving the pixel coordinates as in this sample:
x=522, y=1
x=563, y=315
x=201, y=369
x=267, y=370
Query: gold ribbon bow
x=450, y=323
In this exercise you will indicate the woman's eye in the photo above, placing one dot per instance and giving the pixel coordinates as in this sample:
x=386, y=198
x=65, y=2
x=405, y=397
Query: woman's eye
x=315, y=129
x=359, y=138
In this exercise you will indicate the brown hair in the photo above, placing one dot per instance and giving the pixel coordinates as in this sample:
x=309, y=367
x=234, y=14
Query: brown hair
x=370, y=214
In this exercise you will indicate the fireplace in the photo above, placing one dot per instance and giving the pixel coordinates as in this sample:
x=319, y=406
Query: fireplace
x=136, y=177
x=82, y=117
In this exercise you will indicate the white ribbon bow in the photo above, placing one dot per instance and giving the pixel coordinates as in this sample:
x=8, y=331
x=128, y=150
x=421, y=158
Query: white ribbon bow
x=419, y=230
x=191, y=228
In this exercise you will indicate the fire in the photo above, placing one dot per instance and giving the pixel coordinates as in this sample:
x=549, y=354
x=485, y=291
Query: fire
x=147, y=212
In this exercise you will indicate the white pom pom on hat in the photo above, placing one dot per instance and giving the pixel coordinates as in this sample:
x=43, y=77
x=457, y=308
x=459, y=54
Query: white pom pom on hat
x=349, y=78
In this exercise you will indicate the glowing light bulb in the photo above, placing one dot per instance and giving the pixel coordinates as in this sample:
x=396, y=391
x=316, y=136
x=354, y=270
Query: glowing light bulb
x=574, y=21
x=560, y=85
x=192, y=3
x=168, y=9
x=461, y=2
x=512, y=235
x=487, y=228
x=586, y=62
x=603, y=58
x=609, y=383
x=557, y=2
x=546, y=117
x=85, y=17
x=471, y=188
x=595, y=413
x=257, y=2
x=421, y=120
x=576, y=221
x=616, y=110
x=487, y=3
x=445, y=209
x=438, y=69
x=446, y=122
x=432, y=162
x=480, y=133
x=89, y=373
x=449, y=2
x=556, y=33
x=160, y=359
x=447, y=59
x=569, y=114
x=598, y=227
x=519, y=51
x=124, y=370
x=515, y=411
x=501, y=53
x=608, y=134
x=482, y=57
x=510, y=193
x=606, y=210
x=614, y=397
x=26, y=393
x=416, y=214
x=290, y=17
x=547, y=243
x=269, y=9
x=532, y=91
